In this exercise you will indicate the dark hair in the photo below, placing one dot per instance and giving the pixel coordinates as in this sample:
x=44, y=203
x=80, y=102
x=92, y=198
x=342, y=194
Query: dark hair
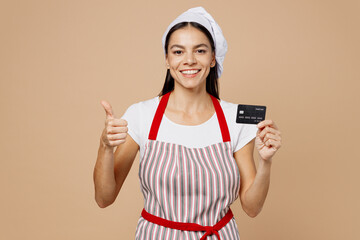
x=211, y=79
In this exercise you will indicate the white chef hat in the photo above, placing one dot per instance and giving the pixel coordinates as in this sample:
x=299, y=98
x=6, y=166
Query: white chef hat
x=199, y=15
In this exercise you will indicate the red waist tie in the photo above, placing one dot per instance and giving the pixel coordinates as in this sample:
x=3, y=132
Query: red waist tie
x=190, y=226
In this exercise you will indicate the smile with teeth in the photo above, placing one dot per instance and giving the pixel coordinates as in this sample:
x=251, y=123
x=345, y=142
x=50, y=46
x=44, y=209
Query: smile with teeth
x=190, y=73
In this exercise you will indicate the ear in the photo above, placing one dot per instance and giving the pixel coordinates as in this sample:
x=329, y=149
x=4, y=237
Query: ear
x=213, y=61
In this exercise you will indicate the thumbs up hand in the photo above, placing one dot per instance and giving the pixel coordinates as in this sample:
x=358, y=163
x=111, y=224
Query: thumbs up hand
x=115, y=130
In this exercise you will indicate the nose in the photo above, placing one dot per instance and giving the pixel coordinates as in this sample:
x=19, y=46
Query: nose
x=190, y=58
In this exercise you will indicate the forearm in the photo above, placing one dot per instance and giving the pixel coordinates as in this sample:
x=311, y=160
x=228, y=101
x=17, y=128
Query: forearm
x=256, y=194
x=104, y=178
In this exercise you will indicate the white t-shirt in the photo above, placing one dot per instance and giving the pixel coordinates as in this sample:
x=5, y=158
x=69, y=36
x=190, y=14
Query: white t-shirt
x=140, y=116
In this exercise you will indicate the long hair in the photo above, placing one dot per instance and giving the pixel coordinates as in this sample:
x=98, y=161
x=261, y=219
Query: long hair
x=211, y=79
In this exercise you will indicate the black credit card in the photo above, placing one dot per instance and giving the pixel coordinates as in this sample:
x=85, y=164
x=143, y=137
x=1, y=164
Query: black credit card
x=250, y=114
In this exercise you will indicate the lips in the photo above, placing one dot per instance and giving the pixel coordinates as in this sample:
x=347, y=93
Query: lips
x=190, y=72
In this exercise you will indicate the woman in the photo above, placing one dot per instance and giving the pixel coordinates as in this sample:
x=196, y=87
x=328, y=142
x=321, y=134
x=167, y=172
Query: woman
x=195, y=160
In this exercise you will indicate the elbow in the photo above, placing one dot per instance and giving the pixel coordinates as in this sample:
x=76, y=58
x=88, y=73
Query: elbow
x=102, y=203
x=104, y=197
x=251, y=208
x=253, y=212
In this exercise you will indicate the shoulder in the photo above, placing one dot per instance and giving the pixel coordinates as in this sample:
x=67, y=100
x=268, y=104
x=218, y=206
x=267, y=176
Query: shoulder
x=139, y=116
x=240, y=133
x=144, y=105
x=149, y=103
x=230, y=112
x=142, y=108
x=229, y=109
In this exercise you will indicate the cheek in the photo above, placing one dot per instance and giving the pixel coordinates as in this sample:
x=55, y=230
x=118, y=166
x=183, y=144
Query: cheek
x=174, y=62
x=206, y=60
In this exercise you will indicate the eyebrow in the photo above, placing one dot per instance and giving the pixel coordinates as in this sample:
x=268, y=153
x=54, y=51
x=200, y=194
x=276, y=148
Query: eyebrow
x=196, y=46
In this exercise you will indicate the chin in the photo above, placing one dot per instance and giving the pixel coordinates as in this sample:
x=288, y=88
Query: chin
x=191, y=85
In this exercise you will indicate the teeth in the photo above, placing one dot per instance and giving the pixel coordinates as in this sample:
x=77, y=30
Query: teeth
x=190, y=71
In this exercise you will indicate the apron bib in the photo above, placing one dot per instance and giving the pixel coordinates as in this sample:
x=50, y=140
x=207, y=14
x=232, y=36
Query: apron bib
x=188, y=185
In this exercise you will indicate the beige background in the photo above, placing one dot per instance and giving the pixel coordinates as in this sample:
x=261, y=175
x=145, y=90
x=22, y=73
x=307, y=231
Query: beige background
x=59, y=59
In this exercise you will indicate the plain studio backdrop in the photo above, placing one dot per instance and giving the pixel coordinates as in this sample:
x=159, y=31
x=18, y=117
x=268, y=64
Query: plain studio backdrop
x=59, y=59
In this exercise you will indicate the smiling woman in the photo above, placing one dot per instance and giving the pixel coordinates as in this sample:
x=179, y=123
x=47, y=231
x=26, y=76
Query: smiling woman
x=190, y=57
x=203, y=43
x=195, y=160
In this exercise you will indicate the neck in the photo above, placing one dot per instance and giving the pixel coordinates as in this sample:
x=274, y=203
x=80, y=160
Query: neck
x=190, y=101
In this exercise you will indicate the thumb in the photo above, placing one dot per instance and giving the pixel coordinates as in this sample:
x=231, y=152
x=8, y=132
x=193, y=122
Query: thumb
x=108, y=109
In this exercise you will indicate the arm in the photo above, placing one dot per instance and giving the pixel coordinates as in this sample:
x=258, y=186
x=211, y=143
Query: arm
x=254, y=183
x=111, y=170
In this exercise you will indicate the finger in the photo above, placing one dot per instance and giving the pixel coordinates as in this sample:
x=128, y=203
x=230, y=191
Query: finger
x=117, y=142
x=266, y=130
x=273, y=143
x=118, y=136
x=267, y=122
x=114, y=130
x=108, y=109
x=119, y=122
x=268, y=143
x=271, y=136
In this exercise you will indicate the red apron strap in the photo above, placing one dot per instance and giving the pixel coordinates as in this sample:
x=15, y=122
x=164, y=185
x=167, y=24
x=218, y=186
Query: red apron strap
x=161, y=109
x=221, y=118
x=209, y=230
x=158, y=116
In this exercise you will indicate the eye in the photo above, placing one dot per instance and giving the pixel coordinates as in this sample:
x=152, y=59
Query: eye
x=177, y=52
x=201, y=51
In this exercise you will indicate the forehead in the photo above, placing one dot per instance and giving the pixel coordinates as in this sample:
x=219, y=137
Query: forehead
x=188, y=36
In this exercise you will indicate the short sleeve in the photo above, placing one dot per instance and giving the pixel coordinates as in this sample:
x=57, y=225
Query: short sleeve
x=246, y=134
x=132, y=117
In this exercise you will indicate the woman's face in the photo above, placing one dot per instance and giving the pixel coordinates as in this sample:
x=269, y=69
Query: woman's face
x=189, y=57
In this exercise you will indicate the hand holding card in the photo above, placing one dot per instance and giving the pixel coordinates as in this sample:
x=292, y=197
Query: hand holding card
x=268, y=139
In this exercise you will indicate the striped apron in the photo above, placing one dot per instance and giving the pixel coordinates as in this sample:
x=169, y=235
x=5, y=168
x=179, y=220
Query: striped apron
x=188, y=185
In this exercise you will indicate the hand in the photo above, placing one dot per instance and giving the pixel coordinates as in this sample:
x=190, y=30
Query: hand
x=115, y=130
x=268, y=139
